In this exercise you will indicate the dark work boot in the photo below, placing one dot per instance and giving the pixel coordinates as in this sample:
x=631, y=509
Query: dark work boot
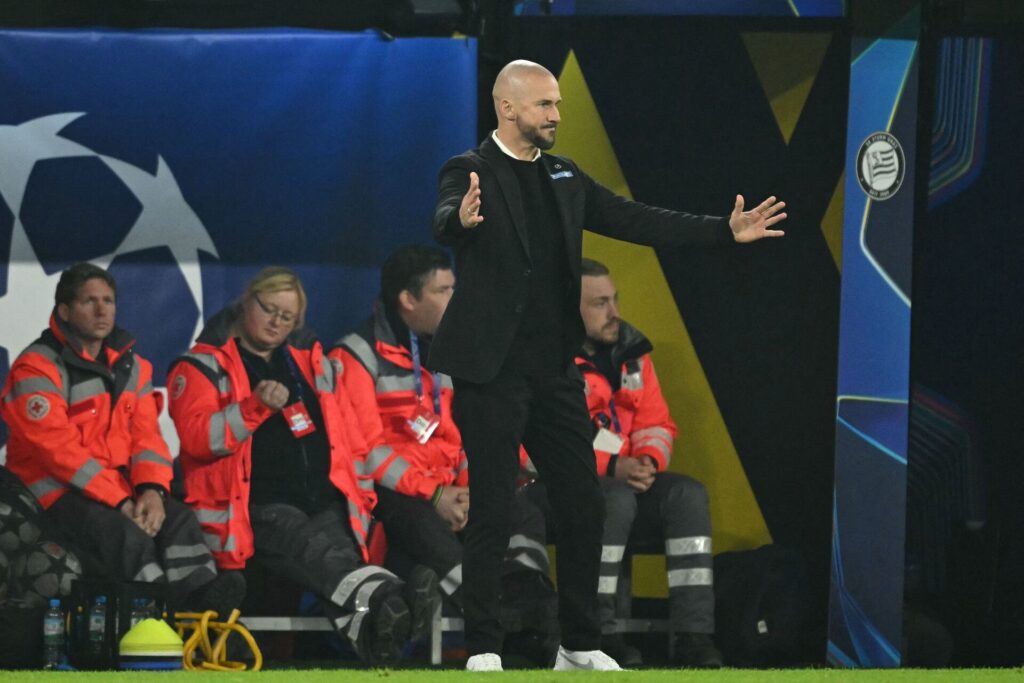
x=422, y=594
x=387, y=633
x=697, y=651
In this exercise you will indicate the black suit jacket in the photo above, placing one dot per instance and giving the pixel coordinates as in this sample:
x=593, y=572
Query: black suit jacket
x=492, y=260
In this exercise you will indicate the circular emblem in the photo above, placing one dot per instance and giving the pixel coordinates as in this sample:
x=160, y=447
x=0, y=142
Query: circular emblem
x=880, y=166
x=178, y=387
x=37, y=407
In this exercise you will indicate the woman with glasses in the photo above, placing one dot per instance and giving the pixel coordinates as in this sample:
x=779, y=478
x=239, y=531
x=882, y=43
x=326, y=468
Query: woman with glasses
x=269, y=443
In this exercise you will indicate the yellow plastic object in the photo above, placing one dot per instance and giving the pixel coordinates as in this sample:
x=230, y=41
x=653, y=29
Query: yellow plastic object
x=151, y=645
x=212, y=656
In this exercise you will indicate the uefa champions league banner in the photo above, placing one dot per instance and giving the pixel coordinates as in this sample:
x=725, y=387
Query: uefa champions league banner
x=187, y=161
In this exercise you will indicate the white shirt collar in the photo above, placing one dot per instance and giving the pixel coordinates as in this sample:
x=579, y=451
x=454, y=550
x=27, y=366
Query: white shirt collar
x=506, y=150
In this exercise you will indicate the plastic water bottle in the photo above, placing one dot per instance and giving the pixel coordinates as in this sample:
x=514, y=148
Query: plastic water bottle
x=53, y=636
x=98, y=625
x=140, y=610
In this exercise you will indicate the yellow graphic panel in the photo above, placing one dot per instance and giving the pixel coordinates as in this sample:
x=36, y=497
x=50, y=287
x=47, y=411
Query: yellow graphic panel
x=787, y=64
x=832, y=223
x=704, y=449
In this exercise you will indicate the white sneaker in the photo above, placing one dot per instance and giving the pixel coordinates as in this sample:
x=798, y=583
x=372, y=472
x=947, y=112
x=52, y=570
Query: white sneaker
x=488, y=661
x=576, y=660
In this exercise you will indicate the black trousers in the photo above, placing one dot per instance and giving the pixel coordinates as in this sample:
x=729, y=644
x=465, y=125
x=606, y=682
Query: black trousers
x=114, y=546
x=417, y=535
x=549, y=417
x=319, y=553
x=673, y=517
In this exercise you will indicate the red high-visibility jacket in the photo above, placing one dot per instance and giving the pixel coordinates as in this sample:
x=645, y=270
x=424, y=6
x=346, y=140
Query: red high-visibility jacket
x=380, y=382
x=215, y=413
x=82, y=423
x=645, y=424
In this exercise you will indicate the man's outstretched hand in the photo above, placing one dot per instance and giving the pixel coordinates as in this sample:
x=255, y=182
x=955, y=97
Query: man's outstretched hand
x=469, y=210
x=748, y=226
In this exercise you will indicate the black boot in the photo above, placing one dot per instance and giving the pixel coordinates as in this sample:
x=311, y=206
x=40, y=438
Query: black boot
x=422, y=594
x=697, y=651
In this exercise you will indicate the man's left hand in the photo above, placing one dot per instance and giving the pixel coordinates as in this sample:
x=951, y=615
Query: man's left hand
x=748, y=226
x=149, y=511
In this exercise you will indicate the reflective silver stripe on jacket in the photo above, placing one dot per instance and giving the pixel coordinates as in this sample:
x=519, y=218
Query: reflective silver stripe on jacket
x=45, y=486
x=133, y=376
x=394, y=473
x=229, y=417
x=86, y=473
x=391, y=383
x=358, y=347
x=206, y=516
x=31, y=385
x=689, y=577
x=689, y=545
x=377, y=457
x=52, y=356
x=150, y=456
x=146, y=389
x=210, y=361
x=325, y=381
x=86, y=390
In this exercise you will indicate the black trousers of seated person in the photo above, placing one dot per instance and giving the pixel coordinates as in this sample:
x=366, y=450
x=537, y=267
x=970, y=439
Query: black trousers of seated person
x=319, y=553
x=549, y=417
x=418, y=535
x=112, y=545
x=671, y=516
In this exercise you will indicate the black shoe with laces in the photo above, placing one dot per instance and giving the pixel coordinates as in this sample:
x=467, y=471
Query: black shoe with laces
x=697, y=651
x=616, y=647
x=387, y=631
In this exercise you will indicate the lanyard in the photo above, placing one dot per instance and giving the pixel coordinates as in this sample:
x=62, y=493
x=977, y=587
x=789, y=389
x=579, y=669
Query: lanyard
x=296, y=375
x=615, y=416
x=417, y=371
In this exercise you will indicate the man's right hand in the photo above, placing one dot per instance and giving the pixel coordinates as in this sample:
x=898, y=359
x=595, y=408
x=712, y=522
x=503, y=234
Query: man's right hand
x=273, y=395
x=636, y=472
x=469, y=210
x=453, y=506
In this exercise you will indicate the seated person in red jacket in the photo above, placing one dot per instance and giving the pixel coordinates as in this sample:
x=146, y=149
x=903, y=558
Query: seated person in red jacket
x=268, y=447
x=644, y=502
x=416, y=456
x=84, y=438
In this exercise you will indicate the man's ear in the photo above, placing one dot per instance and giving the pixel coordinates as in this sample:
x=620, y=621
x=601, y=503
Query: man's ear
x=508, y=111
x=406, y=300
x=63, y=312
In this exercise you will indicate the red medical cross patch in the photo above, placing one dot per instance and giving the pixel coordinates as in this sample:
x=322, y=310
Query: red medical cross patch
x=37, y=407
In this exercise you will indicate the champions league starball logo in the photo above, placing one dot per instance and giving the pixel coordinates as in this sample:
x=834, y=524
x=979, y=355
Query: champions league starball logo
x=159, y=229
x=880, y=166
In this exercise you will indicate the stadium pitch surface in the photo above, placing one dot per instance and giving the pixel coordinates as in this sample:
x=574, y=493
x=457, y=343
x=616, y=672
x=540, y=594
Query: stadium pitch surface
x=534, y=676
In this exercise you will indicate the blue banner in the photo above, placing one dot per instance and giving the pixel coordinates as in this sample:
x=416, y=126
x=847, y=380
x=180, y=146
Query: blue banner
x=186, y=161
x=866, y=610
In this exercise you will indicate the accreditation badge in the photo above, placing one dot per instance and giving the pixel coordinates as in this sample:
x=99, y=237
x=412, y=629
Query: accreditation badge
x=421, y=424
x=298, y=419
x=608, y=441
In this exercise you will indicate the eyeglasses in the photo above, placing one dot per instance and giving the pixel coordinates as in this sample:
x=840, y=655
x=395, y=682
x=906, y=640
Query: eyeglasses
x=273, y=312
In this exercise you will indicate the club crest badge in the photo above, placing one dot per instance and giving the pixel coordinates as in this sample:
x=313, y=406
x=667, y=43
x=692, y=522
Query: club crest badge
x=880, y=166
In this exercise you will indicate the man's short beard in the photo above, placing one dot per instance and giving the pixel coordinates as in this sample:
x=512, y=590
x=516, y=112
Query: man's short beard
x=540, y=142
